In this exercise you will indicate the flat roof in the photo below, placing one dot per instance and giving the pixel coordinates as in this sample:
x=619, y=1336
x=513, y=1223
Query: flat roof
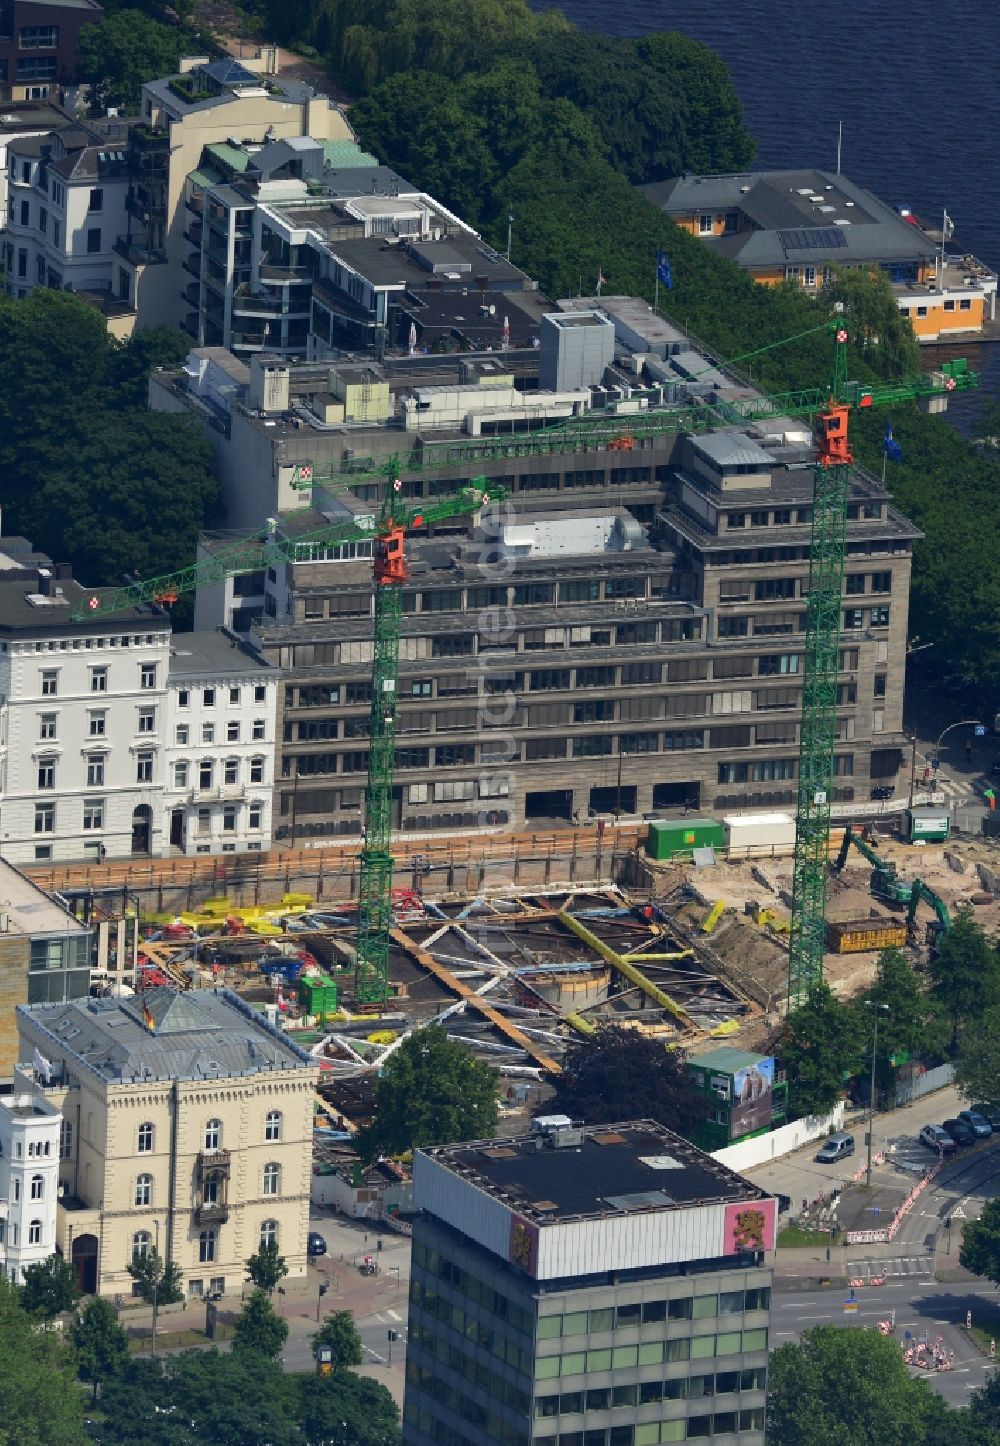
x=24, y=609
x=727, y=1059
x=28, y=910
x=619, y=1169
x=212, y=654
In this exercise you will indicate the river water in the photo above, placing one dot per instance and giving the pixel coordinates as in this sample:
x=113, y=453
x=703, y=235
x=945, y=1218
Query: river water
x=915, y=84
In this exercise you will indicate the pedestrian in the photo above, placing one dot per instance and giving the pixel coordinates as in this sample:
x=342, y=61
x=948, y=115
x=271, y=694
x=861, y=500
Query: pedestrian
x=828, y=1255
x=927, y=773
x=968, y=1320
x=993, y=1348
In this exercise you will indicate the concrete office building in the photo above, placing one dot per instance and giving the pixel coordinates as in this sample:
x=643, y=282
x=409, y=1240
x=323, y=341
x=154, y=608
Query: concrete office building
x=188, y=1129
x=608, y=1286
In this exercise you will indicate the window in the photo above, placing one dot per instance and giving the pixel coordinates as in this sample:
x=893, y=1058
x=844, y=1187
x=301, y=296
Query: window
x=232, y=733
x=45, y=818
x=38, y=37
x=208, y=733
x=37, y=1187
x=93, y=814
x=204, y=820
x=46, y=773
x=272, y=1179
x=269, y=1235
x=259, y=730
x=96, y=200
x=234, y=695
x=147, y=675
x=854, y=619
x=180, y=775
x=35, y=1233
x=774, y=664
x=256, y=770
x=141, y=1244
x=98, y=680
x=255, y=818
x=854, y=583
x=881, y=582
x=50, y=684
x=206, y=1246
x=146, y=1139
x=93, y=240
x=229, y=818
x=47, y=725
x=260, y=693
x=144, y=768
x=231, y=770
x=205, y=773
x=213, y=1134
x=97, y=724
x=880, y=617
x=208, y=697
x=95, y=770
x=183, y=734
x=144, y=1190
x=183, y=698
x=704, y=224
x=26, y=220
x=272, y=1125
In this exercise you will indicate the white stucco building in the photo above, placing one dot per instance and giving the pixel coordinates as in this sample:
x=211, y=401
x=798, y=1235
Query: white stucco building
x=30, y=1142
x=218, y=745
x=81, y=755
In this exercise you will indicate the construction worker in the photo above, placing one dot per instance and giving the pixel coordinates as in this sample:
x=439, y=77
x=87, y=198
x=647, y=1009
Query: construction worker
x=990, y=798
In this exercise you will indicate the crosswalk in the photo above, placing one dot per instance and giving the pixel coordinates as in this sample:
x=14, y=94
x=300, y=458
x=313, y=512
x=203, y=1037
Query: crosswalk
x=901, y=1265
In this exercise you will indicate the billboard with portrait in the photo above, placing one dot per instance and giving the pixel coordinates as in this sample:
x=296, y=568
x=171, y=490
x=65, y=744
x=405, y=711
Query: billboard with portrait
x=751, y=1109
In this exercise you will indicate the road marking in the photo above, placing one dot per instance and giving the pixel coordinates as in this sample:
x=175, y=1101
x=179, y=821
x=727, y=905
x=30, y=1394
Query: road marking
x=394, y=1315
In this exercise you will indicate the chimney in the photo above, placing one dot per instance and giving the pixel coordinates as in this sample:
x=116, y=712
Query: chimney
x=45, y=582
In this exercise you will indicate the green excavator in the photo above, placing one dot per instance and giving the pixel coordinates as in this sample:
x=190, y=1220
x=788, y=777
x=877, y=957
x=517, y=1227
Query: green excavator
x=885, y=884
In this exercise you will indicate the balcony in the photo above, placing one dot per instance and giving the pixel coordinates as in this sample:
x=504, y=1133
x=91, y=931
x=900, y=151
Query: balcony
x=285, y=275
x=192, y=264
x=221, y=793
x=245, y=304
x=148, y=140
x=144, y=208
x=248, y=340
x=213, y=1162
x=138, y=255
x=192, y=294
x=212, y=1212
x=192, y=233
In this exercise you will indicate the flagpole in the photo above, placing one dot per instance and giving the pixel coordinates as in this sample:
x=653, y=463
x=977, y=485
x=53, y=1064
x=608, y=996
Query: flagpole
x=656, y=294
x=840, y=142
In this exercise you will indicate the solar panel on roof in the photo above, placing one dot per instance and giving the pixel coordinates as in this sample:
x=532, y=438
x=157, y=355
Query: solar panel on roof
x=816, y=238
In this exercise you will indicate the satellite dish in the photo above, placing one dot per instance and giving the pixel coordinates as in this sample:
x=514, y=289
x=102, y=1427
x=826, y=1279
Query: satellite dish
x=493, y=311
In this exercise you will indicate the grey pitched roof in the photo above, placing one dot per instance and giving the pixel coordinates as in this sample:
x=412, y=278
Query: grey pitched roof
x=732, y=449
x=166, y=1035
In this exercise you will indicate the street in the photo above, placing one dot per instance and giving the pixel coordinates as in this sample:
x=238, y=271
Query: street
x=920, y=1305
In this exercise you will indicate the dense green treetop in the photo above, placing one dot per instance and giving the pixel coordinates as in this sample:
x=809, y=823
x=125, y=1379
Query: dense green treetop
x=432, y=1091
x=980, y=1250
x=965, y=972
x=977, y=1064
x=820, y=1043
x=101, y=1344
x=49, y=1287
x=259, y=1328
x=620, y=1074
x=123, y=51
x=40, y=1402
x=340, y=1332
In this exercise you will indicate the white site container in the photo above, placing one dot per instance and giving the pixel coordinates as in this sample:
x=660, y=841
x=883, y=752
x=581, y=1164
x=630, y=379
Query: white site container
x=750, y=835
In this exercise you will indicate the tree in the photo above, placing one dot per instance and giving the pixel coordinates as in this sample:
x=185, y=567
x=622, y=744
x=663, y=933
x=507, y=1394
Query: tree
x=845, y=1388
x=120, y=53
x=977, y=1064
x=965, y=972
x=238, y=1399
x=433, y=1091
x=910, y=1022
x=980, y=1250
x=346, y=1410
x=820, y=1043
x=158, y=1281
x=130, y=362
x=341, y=1334
x=40, y=1401
x=874, y=321
x=620, y=1074
x=101, y=1343
x=259, y=1328
x=49, y=1287
x=266, y=1268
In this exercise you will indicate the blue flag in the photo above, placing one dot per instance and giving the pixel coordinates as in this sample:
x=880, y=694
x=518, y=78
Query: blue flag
x=891, y=447
x=663, y=269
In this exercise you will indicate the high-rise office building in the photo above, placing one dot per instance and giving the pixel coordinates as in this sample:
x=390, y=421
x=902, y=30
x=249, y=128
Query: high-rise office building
x=604, y=1286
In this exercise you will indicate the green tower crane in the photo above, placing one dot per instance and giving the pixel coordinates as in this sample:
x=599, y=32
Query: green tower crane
x=387, y=533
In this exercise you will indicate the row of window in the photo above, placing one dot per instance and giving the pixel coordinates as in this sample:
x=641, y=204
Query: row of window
x=719, y=1423
x=651, y=1353
x=99, y=677
x=206, y=775
x=485, y=1295
x=485, y=1424
x=647, y=1393
x=964, y=304
x=212, y=1136
x=258, y=732
x=36, y=1186
x=96, y=770
x=499, y=1343
x=270, y=1179
x=211, y=696
x=88, y=644
x=471, y=599
x=34, y=1232
x=208, y=1242
x=684, y=1307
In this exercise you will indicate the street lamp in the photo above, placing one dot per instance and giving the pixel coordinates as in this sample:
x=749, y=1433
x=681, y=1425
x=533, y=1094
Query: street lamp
x=963, y=723
x=872, y=1004
x=156, y=1286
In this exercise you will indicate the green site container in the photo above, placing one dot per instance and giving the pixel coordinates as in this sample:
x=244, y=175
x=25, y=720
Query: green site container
x=669, y=837
x=318, y=995
x=927, y=824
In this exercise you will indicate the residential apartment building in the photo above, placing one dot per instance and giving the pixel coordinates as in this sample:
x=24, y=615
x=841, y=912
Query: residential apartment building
x=81, y=769
x=608, y=1286
x=66, y=209
x=47, y=955
x=39, y=45
x=28, y=118
x=30, y=1142
x=187, y=1128
x=798, y=225
x=218, y=746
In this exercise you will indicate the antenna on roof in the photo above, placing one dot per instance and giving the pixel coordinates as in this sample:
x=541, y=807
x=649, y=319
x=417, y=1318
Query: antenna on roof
x=840, y=142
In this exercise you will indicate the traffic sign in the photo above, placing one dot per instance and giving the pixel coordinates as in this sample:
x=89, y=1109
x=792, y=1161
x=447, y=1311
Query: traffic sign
x=935, y=764
x=980, y=730
x=850, y=1306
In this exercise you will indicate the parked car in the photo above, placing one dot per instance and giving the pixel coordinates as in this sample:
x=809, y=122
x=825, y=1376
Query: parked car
x=989, y=1112
x=837, y=1147
x=315, y=1245
x=961, y=1132
x=981, y=1127
x=935, y=1138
